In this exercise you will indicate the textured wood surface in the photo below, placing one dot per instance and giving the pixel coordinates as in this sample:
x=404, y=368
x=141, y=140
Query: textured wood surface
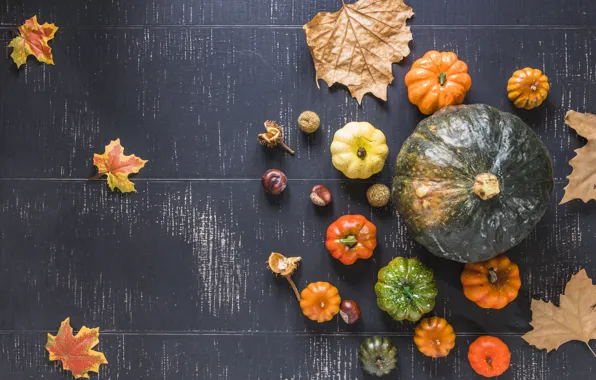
x=175, y=275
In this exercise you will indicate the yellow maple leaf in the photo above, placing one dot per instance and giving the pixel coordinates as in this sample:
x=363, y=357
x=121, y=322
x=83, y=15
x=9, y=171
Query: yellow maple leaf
x=357, y=45
x=117, y=167
x=574, y=319
x=33, y=41
x=582, y=181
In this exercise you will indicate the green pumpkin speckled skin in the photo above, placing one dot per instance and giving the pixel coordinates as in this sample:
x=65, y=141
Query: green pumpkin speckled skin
x=378, y=356
x=406, y=289
x=472, y=182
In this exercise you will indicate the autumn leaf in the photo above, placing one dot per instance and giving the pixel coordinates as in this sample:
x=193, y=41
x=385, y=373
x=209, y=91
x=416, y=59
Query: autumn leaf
x=33, y=41
x=574, y=319
x=582, y=181
x=76, y=352
x=117, y=167
x=357, y=45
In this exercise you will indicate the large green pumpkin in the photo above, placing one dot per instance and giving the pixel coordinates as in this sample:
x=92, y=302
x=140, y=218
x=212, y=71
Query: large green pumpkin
x=472, y=182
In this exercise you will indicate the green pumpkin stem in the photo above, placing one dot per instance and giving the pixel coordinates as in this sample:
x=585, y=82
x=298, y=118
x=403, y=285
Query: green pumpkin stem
x=442, y=79
x=409, y=293
x=349, y=240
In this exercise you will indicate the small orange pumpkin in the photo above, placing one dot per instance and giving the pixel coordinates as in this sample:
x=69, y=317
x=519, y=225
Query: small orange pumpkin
x=437, y=80
x=320, y=301
x=491, y=284
x=434, y=337
x=528, y=88
x=489, y=356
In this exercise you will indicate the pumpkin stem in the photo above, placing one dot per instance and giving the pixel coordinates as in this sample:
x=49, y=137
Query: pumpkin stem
x=361, y=152
x=294, y=288
x=442, y=79
x=408, y=292
x=493, y=278
x=489, y=360
x=349, y=240
x=380, y=363
x=486, y=186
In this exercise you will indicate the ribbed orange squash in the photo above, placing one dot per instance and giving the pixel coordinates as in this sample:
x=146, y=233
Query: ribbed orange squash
x=528, y=88
x=437, y=80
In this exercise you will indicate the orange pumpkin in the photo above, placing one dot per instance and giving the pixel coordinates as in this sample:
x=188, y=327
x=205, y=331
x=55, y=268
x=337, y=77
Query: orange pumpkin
x=320, y=301
x=491, y=284
x=489, y=356
x=528, y=88
x=434, y=337
x=437, y=80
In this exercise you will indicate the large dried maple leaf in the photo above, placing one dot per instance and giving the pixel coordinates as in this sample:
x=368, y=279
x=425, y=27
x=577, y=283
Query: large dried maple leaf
x=117, y=167
x=76, y=352
x=357, y=45
x=33, y=41
x=574, y=319
x=582, y=181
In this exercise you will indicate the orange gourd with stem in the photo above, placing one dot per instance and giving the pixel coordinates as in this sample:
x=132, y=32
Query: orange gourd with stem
x=434, y=337
x=489, y=356
x=491, y=284
x=528, y=88
x=437, y=80
x=320, y=301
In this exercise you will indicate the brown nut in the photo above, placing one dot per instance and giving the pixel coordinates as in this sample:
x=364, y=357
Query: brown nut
x=320, y=195
x=274, y=181
x=378, y=195
x=349, y=311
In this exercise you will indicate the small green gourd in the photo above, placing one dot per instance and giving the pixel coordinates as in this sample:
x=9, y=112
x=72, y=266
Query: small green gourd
x=378, y=356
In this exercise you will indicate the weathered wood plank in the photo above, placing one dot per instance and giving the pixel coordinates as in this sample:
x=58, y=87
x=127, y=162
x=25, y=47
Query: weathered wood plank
x=191, y=256
x=192, y=100
x=260, y=357
x=271, y=12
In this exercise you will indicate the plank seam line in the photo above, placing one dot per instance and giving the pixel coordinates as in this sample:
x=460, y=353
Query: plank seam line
x=299, y=27
x=49, y=179
x=257, y=333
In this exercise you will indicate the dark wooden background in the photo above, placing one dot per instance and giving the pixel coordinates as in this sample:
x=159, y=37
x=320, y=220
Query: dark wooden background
x=175, y=275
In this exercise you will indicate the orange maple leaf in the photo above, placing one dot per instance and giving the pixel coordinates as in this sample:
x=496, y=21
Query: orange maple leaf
x=117, y=166
x=33, y=41
x=76, y=352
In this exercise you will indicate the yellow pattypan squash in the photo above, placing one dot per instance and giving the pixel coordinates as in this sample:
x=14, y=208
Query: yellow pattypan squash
x=359, y=150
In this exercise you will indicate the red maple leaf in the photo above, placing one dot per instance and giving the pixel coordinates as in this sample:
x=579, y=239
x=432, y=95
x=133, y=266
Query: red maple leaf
x=76, y=352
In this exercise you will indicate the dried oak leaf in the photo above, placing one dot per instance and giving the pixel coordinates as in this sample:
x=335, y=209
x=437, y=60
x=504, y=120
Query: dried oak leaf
x=574, y=319
x=357, y=45
x=33, y=41
x=76, y=352
x=117, y=167
x=582, y=181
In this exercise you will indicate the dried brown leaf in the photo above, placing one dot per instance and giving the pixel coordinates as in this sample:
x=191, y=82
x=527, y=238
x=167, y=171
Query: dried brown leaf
x=574, y=319
x=582, y=181
x=357, y=45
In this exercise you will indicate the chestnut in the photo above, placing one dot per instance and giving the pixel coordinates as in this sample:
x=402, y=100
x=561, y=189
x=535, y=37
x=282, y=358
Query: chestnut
x=274, y=181
x=320, y=195
x=349, y=311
